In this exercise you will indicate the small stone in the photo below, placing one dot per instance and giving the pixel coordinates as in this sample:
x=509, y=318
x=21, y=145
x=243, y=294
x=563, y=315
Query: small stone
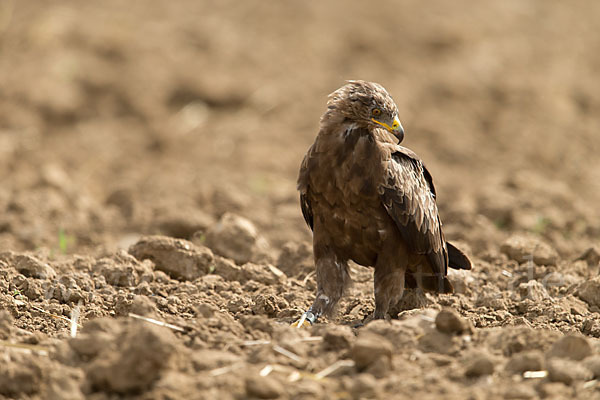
x=177, y=257
x=589, y=291
x=591, y=328
x=591, y=256
x=263, y=387
x=567, y=371
x=573, y=347
x=237, y=238
x=448, y=321
x=525, y=248
x=526, y=361
x=368, y=348
x=34, y=268
x=479, y=364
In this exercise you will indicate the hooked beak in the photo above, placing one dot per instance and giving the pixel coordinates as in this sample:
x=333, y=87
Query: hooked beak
x=395, y=129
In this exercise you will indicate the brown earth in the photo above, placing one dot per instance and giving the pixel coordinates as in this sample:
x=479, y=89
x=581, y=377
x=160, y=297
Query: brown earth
x=148, y=156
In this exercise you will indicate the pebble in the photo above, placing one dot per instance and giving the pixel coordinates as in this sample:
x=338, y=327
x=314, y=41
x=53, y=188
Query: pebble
x=263, y=387
x=573, y=347
x=532, y=360
x=448, y=321
x=589, y=291
x=479, y=364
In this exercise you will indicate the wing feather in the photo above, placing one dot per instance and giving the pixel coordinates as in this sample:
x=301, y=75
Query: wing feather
x=303, y=188
x=408, y=195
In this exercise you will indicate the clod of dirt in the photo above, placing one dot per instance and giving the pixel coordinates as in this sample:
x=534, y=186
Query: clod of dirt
x=34, y=268
x=263, y=387
x=567, y=371
x=369, y=348
x=511, y=340
x=525, y=248
x=401, y=333
x=227, y=199
x=212, y=359
x=65, y=383
x=438, y=342
x=19, y=375
x=53, y=175
x=573, y=347
x=236, y=237
x=264, y=273
x=533, y=290
x=6, y=323
x=118, y=272
x=520, y=392
x=140, y=354
x=526, y=361
x=593, y=364
x=591, y=256
x=589, y=291
x=448, y=321
x=123, y=199
x=364, y=386
x=336, y=338
x=142, y=305
x=296, y=259
x=177, y=257
x=183, y=223
x=479, y=364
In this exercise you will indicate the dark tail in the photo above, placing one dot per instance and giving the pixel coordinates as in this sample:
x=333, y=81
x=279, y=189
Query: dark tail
x=456, y=258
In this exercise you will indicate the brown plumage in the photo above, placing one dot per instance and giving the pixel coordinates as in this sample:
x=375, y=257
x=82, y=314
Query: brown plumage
x=370, y=200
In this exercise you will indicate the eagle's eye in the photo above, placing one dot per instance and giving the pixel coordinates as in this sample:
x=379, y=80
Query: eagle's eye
x=376, y=112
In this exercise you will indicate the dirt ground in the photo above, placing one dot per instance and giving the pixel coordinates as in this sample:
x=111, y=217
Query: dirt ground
x=148, y=158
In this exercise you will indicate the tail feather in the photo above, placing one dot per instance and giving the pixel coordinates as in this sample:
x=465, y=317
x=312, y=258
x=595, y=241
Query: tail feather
x=456, y=258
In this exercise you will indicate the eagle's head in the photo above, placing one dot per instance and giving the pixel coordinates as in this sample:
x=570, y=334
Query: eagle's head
x=365, y=103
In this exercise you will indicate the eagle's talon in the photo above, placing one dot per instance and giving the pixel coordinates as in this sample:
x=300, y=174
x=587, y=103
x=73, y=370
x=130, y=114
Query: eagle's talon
x=307, y=320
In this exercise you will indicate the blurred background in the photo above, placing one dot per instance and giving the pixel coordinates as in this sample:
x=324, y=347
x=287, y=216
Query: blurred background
x=126, y=118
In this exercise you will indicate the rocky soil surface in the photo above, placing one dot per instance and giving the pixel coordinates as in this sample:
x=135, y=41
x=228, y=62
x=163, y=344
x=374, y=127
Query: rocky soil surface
x=151, y=240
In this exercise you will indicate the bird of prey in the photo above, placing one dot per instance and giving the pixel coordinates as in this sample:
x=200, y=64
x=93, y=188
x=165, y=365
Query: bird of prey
x=372, y=201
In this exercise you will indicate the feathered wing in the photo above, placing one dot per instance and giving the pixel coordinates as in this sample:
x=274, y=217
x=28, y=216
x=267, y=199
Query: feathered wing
x=303, y=188
x=408, y=195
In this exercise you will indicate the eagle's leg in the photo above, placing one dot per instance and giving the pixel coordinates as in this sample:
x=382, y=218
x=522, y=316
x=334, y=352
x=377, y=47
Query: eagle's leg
x=332, y=279
x=389, y=287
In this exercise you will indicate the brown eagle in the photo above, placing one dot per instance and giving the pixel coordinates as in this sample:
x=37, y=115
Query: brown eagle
x=370, y=200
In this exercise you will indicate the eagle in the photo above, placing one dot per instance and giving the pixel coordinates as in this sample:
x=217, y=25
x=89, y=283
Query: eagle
x=372, y=201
